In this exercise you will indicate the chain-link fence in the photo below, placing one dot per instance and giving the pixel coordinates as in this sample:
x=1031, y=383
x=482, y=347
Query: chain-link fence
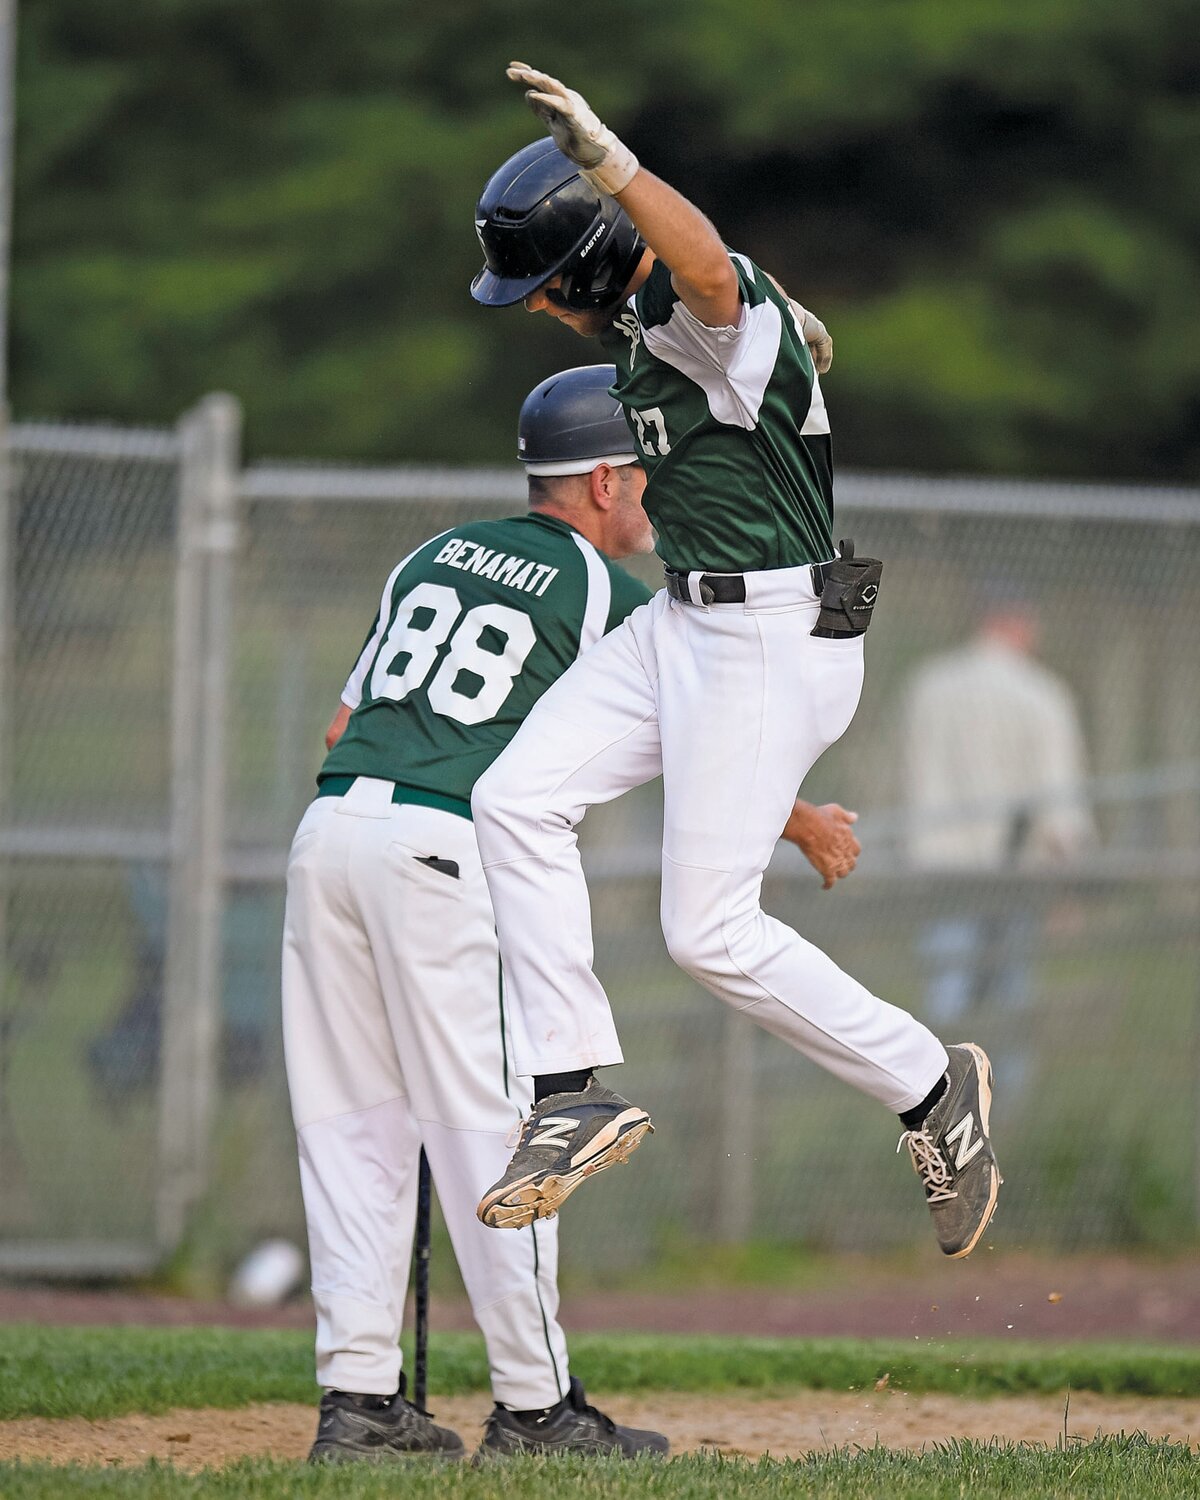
x=175, y=633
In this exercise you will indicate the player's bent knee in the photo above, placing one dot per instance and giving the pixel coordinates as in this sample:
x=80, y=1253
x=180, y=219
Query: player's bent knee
x=510, y=821
x=498, y=805
x=715, y=949
x=695, y=943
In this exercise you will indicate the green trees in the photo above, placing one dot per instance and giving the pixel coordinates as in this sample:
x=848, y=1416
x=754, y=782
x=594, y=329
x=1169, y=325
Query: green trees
x=994, y=206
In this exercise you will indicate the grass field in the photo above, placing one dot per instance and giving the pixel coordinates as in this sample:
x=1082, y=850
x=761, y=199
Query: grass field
x=102, y=1372
x=97, y=1373
x=1129, y=1467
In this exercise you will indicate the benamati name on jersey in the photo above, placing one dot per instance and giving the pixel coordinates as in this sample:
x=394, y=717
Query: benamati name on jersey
x=515, y=572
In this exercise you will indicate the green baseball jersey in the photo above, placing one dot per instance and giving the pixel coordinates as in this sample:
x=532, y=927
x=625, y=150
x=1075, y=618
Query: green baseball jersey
x=472, y=628
x=731, y=426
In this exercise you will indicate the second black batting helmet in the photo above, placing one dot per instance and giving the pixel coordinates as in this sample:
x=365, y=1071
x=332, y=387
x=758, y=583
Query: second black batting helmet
x=572, y=422
x=538, y=218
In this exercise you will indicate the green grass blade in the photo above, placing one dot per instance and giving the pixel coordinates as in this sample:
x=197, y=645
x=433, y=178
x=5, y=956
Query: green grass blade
x=1131, y=1467
x=99, y=1372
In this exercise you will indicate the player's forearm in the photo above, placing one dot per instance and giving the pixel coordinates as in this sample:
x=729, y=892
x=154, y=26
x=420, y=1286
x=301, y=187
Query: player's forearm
x=337, y=726
x=675, y=229
x=686, y=241
x=803, y=821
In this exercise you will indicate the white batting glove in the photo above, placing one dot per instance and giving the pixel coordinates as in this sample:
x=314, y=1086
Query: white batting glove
x=815, y=335
x=607, y=163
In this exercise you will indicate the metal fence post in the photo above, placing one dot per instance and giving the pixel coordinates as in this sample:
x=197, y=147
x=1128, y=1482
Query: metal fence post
x=735, y=1160
x=210, y=443
x=8, y=697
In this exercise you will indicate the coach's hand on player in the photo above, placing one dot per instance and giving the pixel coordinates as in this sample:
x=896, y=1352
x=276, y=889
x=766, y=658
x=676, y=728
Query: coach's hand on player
x=812, y=330
x=578, y=132
x=825, y=836
x=816, y=336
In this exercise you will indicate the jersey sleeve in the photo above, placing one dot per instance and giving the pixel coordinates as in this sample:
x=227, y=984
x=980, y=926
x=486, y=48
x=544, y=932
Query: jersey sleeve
x=732, y=365
x=353, y=691
x=627, y=595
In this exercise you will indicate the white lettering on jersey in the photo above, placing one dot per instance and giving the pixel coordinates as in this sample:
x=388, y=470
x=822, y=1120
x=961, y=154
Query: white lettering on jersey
x=628, y=324
x=513, y=572
x=655, y=441
x=457, y=638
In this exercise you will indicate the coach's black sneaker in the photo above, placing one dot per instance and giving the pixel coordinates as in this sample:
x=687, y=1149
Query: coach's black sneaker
x=570, y=1427
x=953, y=1156
x=566, y=1138
x=379, y=1428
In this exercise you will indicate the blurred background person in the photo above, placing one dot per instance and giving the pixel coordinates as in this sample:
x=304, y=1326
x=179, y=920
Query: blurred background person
x=995, y=781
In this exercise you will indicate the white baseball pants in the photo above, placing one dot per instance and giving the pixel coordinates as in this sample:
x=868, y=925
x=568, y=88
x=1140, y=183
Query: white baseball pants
x=733, y=704
x=395, y=1037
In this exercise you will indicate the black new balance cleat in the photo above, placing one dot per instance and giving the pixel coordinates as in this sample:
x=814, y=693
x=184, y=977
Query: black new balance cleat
x=952, y=1153
x=570, y=1427
x=567, y=1138
x=380, y=1429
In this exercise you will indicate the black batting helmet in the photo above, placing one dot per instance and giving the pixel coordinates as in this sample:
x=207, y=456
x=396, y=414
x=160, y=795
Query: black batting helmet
x=572, y=422
x=538, y=218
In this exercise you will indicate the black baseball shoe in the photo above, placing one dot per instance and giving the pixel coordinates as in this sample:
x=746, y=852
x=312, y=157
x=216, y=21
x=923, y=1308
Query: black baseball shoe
x=380, y=1429
x=567, y=1138
x=952, y=1153
x=570, y=1427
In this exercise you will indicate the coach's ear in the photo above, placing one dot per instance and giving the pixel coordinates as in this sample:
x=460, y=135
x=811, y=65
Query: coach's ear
x=604, y=484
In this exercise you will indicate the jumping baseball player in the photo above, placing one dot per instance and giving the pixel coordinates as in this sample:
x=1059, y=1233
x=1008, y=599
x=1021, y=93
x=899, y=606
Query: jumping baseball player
x=396, y=1020
x=732, y=681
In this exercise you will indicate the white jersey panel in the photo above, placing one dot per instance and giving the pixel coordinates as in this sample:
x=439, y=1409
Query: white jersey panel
x=599, y=594
x=817, y=420
x=732, y=366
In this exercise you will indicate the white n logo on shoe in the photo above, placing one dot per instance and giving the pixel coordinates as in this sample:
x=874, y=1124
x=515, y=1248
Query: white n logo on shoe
x=556, y=1131
x=966, y=1151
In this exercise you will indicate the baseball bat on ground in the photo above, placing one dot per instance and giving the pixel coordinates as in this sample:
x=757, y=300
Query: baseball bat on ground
x=421, y=1280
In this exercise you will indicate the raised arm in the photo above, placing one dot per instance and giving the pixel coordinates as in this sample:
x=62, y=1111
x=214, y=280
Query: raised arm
x=678, y=233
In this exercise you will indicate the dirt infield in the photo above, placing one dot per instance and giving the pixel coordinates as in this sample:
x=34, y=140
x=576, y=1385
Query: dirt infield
x=1006, y=1295
x=783, y=1426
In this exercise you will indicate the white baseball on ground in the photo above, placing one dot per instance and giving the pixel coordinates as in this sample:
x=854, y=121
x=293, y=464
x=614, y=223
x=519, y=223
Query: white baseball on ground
x=269, y=1275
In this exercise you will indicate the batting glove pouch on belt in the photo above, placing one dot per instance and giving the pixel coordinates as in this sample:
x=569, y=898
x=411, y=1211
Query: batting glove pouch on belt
x=607, y=163
x=848, y=598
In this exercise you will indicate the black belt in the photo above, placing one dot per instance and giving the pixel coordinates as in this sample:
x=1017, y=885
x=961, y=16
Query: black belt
x=728, y=588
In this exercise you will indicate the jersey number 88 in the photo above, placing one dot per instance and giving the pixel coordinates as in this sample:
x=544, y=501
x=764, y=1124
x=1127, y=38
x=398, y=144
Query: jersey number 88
x=462, y=634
